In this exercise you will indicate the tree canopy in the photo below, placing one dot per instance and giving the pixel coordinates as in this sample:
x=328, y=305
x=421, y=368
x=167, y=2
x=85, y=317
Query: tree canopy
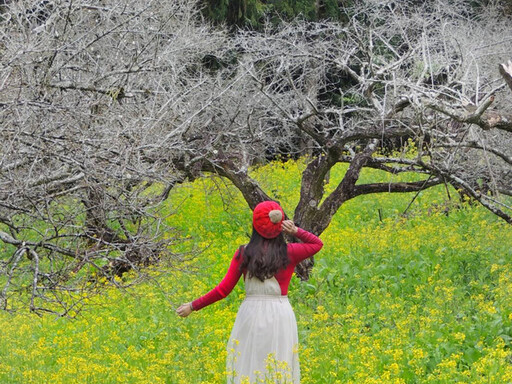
x=105, y=108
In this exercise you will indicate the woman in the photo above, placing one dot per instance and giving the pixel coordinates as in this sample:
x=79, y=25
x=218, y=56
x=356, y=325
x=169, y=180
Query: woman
x=263, y=343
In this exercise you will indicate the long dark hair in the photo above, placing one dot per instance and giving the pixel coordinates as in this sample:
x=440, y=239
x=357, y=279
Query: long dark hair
x=262, y=257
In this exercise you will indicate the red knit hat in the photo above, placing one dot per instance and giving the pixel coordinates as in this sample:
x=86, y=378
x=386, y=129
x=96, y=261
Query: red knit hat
x=267, y=218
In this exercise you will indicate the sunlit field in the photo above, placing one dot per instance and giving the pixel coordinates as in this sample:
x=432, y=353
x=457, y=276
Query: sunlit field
x=420, y=297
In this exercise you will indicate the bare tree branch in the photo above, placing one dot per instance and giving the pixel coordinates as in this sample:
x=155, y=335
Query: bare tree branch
x=485, y=121
x=404, y=187
x=481, y=198
x=476, y=145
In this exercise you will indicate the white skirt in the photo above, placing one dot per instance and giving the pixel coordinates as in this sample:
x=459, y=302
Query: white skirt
x=263, y=344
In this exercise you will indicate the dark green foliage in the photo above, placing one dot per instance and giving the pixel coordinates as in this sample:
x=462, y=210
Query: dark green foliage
x=252, y=13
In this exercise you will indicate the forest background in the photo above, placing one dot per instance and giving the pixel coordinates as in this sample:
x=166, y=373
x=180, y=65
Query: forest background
x=136, y=138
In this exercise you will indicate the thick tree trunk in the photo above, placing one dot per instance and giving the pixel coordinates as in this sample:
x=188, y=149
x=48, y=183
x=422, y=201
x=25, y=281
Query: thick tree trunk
x=312, y=192
x=314, y=217
x=95, y=220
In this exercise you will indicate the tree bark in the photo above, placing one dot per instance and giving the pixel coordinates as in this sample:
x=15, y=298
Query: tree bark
x=506, y=72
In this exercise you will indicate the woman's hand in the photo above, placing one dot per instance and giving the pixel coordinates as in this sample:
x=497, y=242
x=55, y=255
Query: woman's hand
x=184, y=309
x=289, y=227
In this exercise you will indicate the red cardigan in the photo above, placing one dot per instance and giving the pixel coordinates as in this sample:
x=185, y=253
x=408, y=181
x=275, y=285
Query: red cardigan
x=296, y=253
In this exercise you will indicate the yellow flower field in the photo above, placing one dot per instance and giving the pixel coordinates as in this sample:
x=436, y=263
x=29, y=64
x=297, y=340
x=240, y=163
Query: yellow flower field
x=416, y=298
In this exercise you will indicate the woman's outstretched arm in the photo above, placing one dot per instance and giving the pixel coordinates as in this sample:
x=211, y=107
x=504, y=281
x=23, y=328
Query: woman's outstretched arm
x=219, y=292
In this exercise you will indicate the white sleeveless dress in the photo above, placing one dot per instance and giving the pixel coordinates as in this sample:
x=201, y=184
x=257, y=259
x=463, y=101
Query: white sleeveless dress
x=263, y=344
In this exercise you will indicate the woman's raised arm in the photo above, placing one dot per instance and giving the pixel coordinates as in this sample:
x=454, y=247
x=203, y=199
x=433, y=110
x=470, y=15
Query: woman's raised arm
x=310, y=245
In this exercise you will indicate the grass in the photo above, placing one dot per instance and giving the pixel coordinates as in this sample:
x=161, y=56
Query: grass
x=422, y=298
